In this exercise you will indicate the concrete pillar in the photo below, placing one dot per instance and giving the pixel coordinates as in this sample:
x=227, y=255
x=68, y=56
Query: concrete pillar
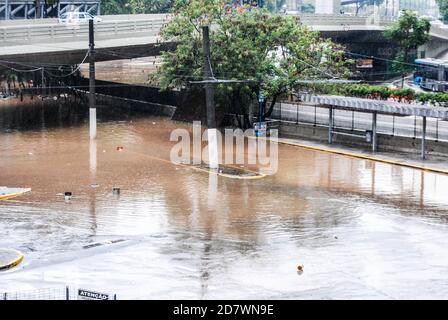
x=396, y=7
x=7, y=10
x=328, y=6
x=330, y=125
x=291, y=5
x=423, y=151
x=441, y=77
x=376, y=14
x=374, y=135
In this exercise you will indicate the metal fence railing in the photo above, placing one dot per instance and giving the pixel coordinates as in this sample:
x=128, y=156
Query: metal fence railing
x=60, y=293
x=404, y=126
x=106, y=29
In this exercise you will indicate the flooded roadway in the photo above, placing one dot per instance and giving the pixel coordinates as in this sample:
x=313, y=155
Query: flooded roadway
x=361, y=229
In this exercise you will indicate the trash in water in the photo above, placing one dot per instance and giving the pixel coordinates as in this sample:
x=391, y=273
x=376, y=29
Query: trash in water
x=94, y=185
x=300, y=268
x=120, y=148
x=102, y=243
x=67, y=195
x=116, y=190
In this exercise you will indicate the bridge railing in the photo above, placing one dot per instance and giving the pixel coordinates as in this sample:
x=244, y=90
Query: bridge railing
x=331, y=19
x=23, y=34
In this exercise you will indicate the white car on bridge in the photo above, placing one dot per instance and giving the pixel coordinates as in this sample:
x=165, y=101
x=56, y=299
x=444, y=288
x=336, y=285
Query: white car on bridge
x=78, y=17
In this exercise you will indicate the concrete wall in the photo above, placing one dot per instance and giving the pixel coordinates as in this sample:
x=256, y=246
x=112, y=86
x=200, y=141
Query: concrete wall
x=385, y=142
x=147, y=107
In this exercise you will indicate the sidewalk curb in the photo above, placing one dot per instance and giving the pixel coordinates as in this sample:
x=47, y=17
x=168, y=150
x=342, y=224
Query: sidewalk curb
x=365, y=157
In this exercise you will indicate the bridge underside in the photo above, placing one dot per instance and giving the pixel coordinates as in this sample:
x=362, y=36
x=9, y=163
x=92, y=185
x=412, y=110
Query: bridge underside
x=362, y=45
x=75, y=56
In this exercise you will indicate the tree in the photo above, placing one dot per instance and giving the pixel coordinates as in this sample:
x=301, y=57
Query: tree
x=409, y=32
x=275, y=51
x=443, y=8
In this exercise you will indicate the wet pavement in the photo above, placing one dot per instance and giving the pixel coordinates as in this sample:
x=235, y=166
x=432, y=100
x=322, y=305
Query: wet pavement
x=361, y=229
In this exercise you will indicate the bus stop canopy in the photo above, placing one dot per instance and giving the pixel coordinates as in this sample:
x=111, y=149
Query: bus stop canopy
x=376, y=106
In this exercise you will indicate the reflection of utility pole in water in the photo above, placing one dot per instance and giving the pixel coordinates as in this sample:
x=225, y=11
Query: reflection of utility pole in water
x=210, y=103
x=92, y=209
x=205, y=265
x=422, y=188
x=212, y=191
x=92, y=108
x=93, y=185
x=92, y=159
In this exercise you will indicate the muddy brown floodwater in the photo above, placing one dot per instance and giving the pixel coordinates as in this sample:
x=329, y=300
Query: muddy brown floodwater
x=361, y=229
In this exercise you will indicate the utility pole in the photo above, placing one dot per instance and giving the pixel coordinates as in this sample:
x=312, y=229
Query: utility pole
x=92, y=107
x=210, y=103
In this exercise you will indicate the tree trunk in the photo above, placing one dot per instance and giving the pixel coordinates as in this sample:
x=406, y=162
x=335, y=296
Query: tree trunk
x=271, y=107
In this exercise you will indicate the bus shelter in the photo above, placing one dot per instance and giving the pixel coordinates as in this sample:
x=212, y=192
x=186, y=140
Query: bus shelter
x=376, y=107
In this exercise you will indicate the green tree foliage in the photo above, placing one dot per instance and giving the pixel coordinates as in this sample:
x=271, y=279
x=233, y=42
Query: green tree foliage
x=443, y=8
x=409, y=32
x=274, y=50
x=135, y=6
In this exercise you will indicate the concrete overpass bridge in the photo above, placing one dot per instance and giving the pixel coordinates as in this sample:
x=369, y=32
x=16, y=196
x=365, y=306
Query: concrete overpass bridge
x=131, y=36
x=40, y=42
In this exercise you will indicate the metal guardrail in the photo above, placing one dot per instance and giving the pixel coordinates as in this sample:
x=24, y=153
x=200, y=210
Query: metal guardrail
x=62, y=32
x=331, y=19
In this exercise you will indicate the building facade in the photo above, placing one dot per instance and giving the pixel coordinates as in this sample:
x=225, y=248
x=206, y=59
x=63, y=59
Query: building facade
x=386, y=8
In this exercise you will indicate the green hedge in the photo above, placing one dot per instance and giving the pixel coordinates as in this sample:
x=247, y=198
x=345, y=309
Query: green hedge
x=379, y=92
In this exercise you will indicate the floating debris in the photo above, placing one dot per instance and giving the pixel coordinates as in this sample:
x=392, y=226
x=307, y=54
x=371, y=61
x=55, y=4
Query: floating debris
x=116, y=190
x=9, y=258
x=300, y=268
x=120, y=148
x=98, y=244
x=228, y=171
x=7, y=193
x=67, y=195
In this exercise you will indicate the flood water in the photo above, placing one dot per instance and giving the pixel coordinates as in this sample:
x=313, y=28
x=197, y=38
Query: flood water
x=361, y=229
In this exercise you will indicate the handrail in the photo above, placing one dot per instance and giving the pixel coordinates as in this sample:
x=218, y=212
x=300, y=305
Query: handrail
x=60, y=31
